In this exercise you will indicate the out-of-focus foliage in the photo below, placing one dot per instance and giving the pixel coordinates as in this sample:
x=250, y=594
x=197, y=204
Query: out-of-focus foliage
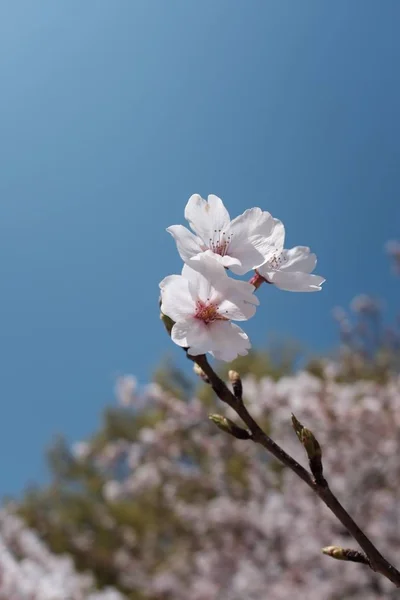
x=161, y=505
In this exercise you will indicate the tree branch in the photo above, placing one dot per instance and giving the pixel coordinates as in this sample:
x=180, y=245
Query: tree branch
x=318, y=484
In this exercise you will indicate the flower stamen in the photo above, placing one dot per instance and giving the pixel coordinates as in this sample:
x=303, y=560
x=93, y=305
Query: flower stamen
x=208, y=312
x=220, y=243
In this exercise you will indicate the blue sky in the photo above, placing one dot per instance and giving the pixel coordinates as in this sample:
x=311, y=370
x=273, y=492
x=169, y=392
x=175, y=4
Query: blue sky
x=112, y=114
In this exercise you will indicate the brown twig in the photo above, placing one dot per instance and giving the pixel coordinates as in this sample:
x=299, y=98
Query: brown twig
x=319, y=485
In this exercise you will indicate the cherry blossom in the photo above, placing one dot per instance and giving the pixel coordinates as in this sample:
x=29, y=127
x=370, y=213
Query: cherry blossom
x=233, y=534
x=202, y=302
x=30, y=571
x=291, y=270
x=240, y=245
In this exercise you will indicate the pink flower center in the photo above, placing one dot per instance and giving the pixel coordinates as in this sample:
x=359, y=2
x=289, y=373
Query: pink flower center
x=219, y=243
x=208, y=312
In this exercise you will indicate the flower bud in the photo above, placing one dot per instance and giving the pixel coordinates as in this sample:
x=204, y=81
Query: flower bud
x=200, y=373
x=230, y=427
x=310, y=444
x=236, y=382
x=313, y=449
x=297, y=426
x=345, y=554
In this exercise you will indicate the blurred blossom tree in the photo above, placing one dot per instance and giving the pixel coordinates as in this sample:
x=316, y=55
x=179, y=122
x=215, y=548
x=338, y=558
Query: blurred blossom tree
x=160, y=504
x=29, y=571
x=159, y=501
x=369, y=347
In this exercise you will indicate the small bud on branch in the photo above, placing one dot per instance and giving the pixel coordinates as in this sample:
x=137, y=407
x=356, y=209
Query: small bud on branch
x=346, y=554
x=297, y=426
x=236, y=382
x=200, y=373
x=313, y=449
x=230, y=427
x=310, y=444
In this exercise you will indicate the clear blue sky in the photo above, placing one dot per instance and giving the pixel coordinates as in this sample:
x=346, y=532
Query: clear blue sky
x=112, y=114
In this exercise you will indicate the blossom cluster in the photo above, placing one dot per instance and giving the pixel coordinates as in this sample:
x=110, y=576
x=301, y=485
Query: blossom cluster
x=223, y=520
x=203, y=301
x=29, y=571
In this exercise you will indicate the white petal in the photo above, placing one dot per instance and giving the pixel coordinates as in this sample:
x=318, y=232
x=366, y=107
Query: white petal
x=256, y=237
x=248, y=259
x=206, y=217
x=296, y=281
x=228, y=341
x=200, y=286
x=238, y=302
x=225, y=261
x=176, y=299
x=187, y=243
x=271, y=245
x=198, y=338
x=179, y=332
x=228, y=261
x=253, y=221
x=196, y=212
x=266, y=271
x=167, y=280
x=245, y=290
x=298, y=259
x=240, y=311
x=218, y=213
x=206, y=266
x=276, y=240
x=192, y=334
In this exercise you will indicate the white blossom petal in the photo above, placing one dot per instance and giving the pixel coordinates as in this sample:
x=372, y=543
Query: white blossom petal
x=248, y=257
x=181, y=329
x=226, y=261
x=206, y=266
x=187, y=243
x=218, y=212
x=229, y=341
x=204, y=217
x=236, y=312
x=298, y=258
x=176, y=300
x=200, y=286
x=296, y=281
x=275, y=242
x=253, y=221
x=199, y=340
x=245, y=290
x=256, y=237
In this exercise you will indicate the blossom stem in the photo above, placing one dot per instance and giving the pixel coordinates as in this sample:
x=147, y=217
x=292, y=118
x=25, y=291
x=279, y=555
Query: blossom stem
x=375, y=559
x=257, y=280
